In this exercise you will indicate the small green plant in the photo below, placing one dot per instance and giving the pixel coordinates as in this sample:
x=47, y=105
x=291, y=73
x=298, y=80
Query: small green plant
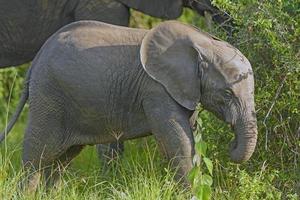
x=201, y=174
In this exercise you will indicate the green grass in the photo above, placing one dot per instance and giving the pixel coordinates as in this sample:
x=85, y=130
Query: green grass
x=141, y=174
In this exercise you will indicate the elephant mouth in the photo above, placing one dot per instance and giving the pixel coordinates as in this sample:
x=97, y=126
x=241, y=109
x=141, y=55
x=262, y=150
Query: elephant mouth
x=234, y=142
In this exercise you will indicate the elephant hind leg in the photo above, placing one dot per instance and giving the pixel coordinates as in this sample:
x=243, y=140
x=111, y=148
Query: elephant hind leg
x=49, y=171
x=71, y=153
x=45, y=152
x=54, y=173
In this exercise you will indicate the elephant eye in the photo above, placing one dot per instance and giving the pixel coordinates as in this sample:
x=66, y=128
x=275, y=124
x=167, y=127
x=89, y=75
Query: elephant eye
x=228, y=94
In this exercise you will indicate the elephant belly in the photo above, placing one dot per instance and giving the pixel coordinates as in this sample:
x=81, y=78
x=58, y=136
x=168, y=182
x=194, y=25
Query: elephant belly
x=88, y=122
x=110, y=127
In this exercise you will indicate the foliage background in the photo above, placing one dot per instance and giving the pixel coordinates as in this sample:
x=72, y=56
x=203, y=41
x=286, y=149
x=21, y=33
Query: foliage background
x=268, y=34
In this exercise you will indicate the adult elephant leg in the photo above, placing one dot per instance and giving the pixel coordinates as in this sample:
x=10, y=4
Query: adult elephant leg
x=171, y=128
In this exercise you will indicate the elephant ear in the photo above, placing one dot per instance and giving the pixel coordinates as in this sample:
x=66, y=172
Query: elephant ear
x=168, y=55
x=168, y=9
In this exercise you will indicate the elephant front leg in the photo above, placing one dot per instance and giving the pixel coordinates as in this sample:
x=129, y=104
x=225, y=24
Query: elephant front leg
x=171, y=128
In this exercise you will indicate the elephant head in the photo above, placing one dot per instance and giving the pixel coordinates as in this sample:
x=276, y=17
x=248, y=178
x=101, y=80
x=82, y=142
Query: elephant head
x=194, y=67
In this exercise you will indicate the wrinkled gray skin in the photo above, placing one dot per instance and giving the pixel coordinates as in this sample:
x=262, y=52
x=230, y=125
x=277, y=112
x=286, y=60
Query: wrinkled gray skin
x=25, y=25
x=139, y=83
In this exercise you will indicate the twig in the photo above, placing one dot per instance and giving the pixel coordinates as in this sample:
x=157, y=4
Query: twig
x=271, y=107
x=297, y=152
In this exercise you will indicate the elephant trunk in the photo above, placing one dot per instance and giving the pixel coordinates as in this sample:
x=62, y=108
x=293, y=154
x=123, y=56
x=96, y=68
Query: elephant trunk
x=202, y=6
x=244, y=143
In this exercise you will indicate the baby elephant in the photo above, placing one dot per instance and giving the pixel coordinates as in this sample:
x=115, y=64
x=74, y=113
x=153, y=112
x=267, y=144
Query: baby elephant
x=95, y=83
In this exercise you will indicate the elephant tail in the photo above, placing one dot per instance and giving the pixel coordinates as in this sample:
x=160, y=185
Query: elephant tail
x=23, y=100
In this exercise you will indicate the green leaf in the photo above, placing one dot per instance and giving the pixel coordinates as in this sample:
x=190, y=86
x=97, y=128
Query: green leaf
x=201, y=148
x=208, y=164
x=198, y=138
x=206, y=180
x=194, y=175
x=203, y=192
x=196, y=160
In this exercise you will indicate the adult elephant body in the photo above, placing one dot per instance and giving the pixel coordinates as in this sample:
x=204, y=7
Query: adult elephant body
x=25, y=25
x=139, y=82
